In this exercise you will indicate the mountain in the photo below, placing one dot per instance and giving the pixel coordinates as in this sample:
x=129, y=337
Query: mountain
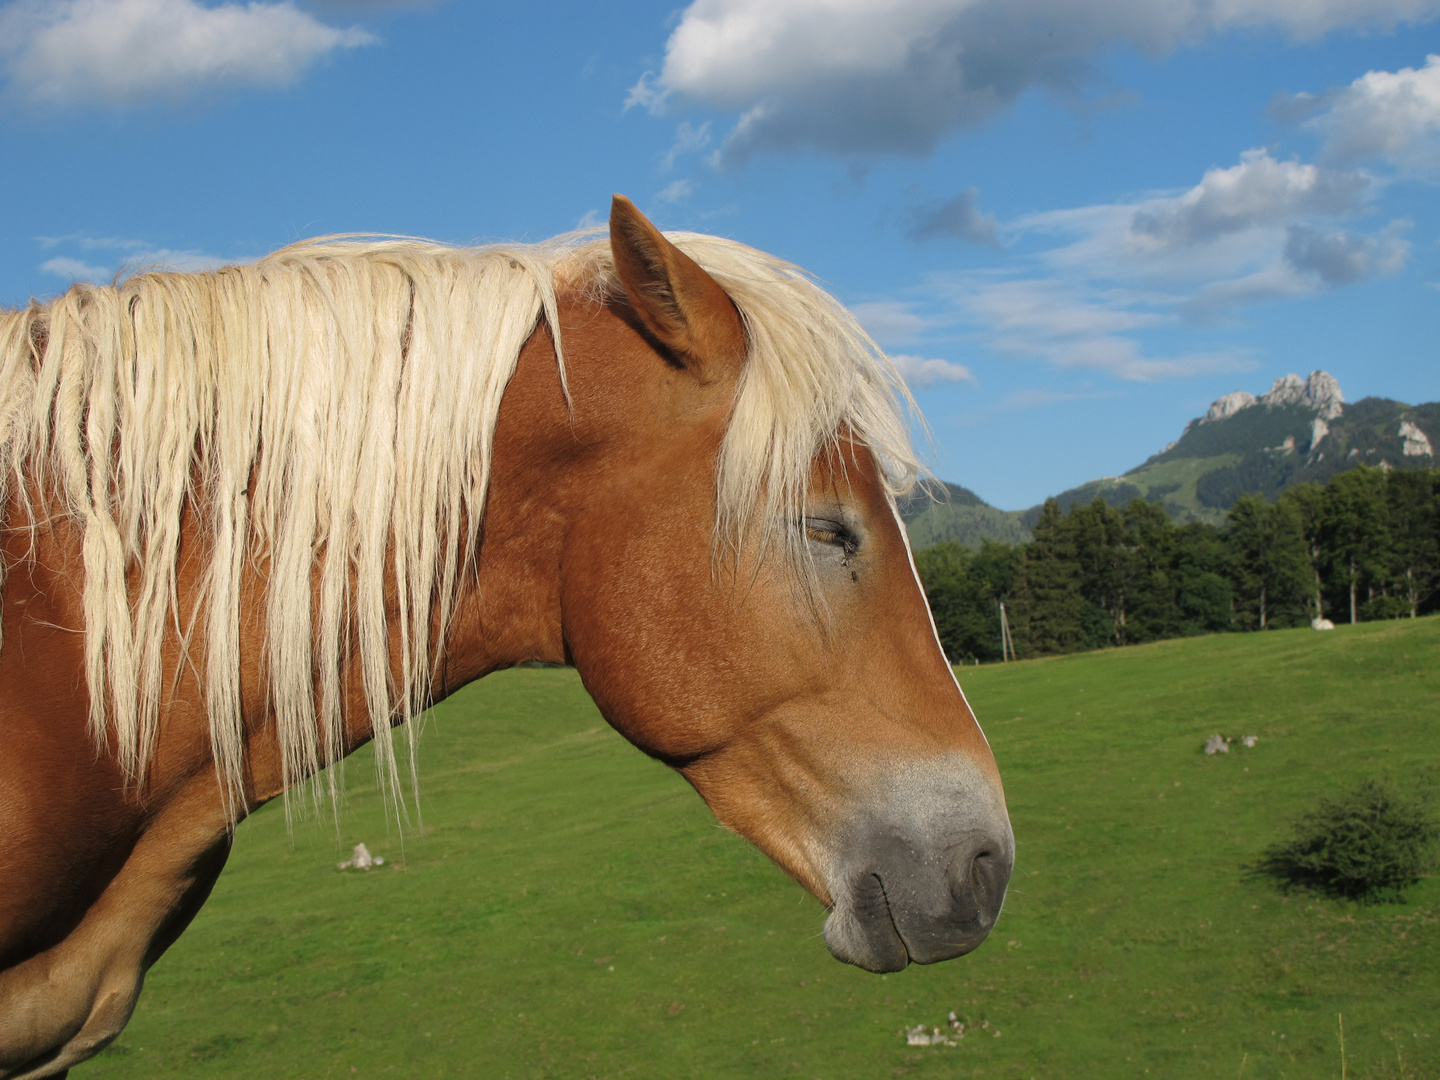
x=1299, y=430
x=937, y=512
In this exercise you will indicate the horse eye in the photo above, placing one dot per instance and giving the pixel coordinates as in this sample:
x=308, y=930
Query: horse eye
x=833, y=533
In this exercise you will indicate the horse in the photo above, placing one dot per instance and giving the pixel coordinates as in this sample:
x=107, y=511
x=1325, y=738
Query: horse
x=258, y=516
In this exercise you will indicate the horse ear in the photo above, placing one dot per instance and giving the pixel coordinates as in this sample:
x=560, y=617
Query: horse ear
x=682, y=306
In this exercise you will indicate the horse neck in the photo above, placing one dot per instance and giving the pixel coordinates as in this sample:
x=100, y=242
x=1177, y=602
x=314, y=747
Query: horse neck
x=507, y=609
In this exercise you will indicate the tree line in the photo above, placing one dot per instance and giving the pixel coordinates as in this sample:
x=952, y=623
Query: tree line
x=1363, y=546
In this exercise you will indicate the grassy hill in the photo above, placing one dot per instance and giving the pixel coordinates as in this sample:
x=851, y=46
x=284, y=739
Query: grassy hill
x=571, y=910
x=1172, y=483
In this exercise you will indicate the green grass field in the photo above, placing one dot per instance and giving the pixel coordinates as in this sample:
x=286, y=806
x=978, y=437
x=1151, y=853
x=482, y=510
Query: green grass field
x=572, y=910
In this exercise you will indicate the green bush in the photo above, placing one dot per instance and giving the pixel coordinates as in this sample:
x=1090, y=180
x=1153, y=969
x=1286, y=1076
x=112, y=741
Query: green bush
x=1368, y=844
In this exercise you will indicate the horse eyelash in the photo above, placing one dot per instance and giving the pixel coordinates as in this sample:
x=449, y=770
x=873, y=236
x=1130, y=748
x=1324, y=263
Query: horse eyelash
x=823, y=531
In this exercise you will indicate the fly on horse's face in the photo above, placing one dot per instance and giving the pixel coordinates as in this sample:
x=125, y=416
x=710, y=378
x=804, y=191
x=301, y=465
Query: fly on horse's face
x=799, y=686
x=386, y=484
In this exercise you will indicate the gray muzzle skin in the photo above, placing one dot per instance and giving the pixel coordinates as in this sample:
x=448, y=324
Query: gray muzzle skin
x=921, y=877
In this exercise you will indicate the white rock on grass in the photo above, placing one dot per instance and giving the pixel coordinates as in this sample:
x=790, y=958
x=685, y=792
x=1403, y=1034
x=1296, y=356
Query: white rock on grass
x=361, y=859
x=918, y=1036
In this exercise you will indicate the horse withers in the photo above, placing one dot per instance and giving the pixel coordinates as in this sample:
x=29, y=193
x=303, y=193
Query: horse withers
x=260, y=516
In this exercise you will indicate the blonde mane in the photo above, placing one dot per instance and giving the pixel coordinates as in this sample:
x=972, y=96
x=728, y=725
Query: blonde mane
x=327, y=414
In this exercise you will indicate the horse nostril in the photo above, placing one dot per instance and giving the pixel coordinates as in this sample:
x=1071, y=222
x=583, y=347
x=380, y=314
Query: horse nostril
x=979, y=888
x=977, y=871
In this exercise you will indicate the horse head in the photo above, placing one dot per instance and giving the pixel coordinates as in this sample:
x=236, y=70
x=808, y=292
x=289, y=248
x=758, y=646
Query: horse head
x=767, y=637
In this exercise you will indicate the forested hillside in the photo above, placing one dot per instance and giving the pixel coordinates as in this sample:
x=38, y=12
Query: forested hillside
x=1300, y=431
x=1365, y=545
x=939, y=513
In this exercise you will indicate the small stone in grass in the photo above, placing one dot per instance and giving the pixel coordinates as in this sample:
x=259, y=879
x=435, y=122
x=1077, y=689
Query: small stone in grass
x=361, y=859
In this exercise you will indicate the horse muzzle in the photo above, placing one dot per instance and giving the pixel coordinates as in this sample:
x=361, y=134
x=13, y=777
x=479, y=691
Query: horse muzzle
x=922, y=877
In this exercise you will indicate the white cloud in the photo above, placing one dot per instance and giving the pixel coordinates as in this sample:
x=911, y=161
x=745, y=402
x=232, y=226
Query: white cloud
x=1031, y=398
x=1258, y=192
x=645, y=94
x=1312, y=259
x=854, y=77
x=133, y=256
x=168, y=259
x=1232, y=222
x=1104, y=280
x=1393, y=116
x=892, y=322
x=676, y=191
x=1052, y=309
x=1276, y=280
x=920, y=371
x=368, y=7
x=1258, y=230
x=74, y=269
x=1338, y=257
x=60, y=53
x=956, y=218
x=689, y=139
x=91, y=243
x=1072, y=324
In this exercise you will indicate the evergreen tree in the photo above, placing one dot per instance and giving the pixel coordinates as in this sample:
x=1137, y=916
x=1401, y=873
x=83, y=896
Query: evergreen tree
x=1097, y=532
x=966, y=617
x=1049, y=608
x=1152, y=605
x=1309, y=503
x=1268, y=549
x=1411, y=499
x=1203, y=572
x=1355, y=535
x=997, y=566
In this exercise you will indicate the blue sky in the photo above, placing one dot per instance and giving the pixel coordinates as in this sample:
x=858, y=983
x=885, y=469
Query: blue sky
x=1074, y=224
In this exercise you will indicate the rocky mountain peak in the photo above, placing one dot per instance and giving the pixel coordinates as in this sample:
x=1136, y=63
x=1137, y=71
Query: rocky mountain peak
x=1228, y=406
x=1320, y=392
